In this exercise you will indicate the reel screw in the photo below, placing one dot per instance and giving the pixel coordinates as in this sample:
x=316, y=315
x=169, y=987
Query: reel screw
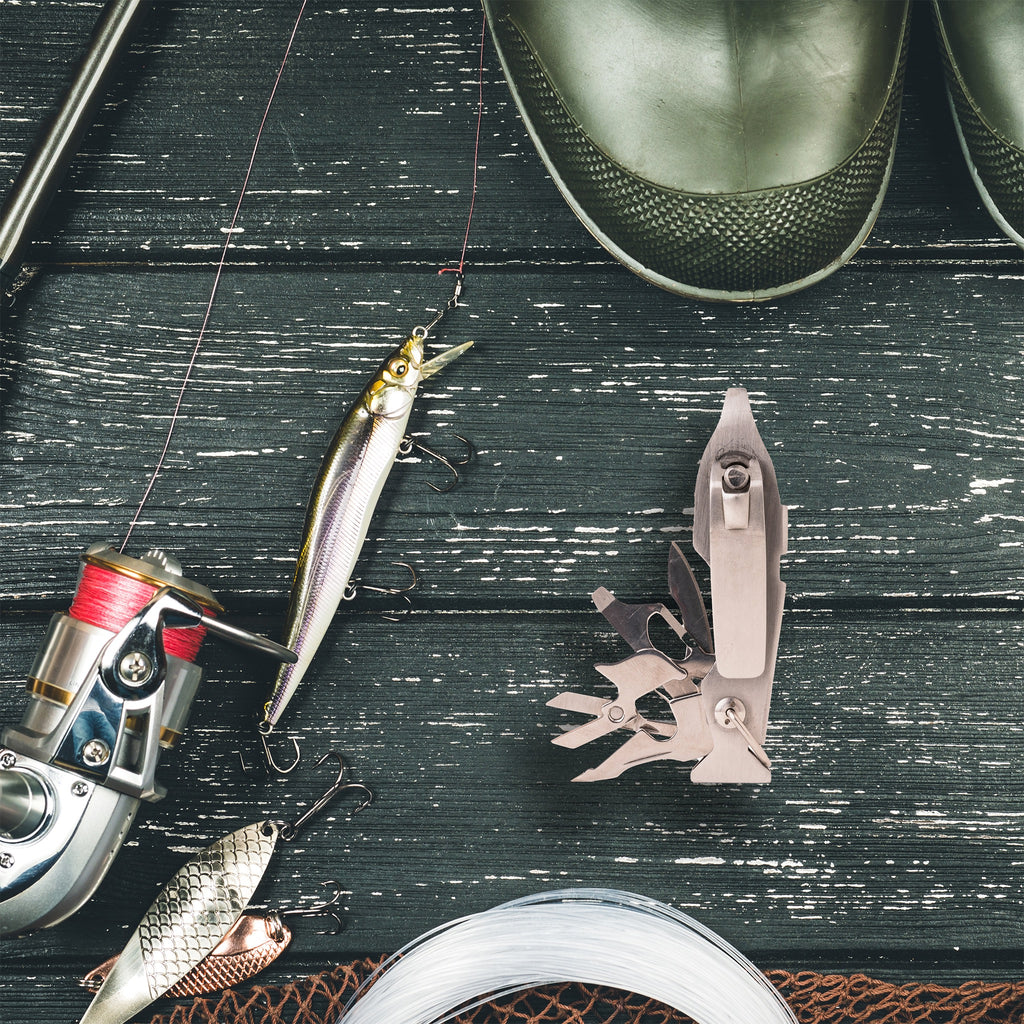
x=95, y=753
x=135, y=668
x=79, y=789
x=8, y=759
x=6, y=860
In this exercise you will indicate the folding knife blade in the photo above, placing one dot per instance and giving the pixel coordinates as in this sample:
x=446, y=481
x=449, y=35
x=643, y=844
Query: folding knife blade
x=685, y=591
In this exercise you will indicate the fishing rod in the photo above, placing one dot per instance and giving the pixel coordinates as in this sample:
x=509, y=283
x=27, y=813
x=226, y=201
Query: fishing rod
x=54, y=149
x=114, y=678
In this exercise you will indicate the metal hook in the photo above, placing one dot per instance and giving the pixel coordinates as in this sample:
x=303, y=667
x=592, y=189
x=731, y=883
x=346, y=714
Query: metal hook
x=452, y=303
x=289, y=830
x=271, y=764
x=354, y=586
x=411, y=444
x=264, y=729
x=321, y=910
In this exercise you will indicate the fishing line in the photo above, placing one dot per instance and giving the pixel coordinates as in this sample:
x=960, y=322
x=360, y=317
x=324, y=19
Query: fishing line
x=175, y=415
x=476, y=155
x=453, y=302
x=108, y=597
x=594, y=936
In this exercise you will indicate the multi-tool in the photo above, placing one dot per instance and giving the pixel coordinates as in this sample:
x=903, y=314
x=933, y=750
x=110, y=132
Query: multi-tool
x=716, y=692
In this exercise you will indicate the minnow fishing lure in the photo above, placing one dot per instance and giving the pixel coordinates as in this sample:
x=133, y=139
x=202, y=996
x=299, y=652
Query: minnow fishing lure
x=344, y=497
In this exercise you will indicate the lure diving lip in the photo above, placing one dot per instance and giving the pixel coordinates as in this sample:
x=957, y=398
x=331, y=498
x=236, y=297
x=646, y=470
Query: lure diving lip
x=342, y=503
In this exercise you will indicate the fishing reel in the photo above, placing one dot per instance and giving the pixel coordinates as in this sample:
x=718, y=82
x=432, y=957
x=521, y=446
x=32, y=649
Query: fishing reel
x=112, y=685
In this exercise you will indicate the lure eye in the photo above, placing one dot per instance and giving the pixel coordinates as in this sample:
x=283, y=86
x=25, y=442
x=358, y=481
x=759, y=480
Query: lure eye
x=399, y=368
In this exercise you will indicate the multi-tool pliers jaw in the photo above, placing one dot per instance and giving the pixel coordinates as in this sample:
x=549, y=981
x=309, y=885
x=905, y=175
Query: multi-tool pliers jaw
x=718, y=698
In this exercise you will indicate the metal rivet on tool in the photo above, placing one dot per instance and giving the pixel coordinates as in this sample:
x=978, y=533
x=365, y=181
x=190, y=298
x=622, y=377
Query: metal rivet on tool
x=616, y=714
x=6, y=860
x=8, y=759
x=79, y=789
x=736, y=478
x=95, y=752
x=135, y=667
x=730, y=713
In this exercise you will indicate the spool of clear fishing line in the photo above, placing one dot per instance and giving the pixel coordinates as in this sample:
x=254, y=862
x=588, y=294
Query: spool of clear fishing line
x=591, y=936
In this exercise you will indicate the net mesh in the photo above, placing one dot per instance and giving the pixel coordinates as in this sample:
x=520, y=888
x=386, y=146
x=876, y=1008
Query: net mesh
x=814, y=998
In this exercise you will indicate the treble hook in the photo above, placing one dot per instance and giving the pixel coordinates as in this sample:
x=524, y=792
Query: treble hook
x=411, y=444
x=289, y=830
x=354, y=586
x=264, y=729
x=320, y=910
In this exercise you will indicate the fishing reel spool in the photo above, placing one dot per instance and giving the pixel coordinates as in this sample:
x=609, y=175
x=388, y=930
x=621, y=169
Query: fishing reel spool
x=112, y=685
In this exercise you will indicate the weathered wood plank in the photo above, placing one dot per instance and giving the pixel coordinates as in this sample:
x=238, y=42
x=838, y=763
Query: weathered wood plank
x=892, y=411
x=892, y=826
x=891, y=839
x=369, y=146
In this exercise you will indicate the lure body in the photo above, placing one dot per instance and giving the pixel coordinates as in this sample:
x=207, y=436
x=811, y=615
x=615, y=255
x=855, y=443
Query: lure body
x=254, y=942
x=344, y=497
x=193, y=912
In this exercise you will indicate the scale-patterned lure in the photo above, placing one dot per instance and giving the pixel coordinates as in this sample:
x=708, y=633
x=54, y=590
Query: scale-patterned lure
x=254, y=942
x=343, y=500
x=189, y=918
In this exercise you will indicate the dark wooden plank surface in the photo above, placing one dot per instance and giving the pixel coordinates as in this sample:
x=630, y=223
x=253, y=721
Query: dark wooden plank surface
x=891, y=839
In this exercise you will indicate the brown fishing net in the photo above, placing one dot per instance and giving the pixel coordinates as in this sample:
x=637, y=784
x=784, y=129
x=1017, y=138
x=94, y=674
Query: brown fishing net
x=815, y=999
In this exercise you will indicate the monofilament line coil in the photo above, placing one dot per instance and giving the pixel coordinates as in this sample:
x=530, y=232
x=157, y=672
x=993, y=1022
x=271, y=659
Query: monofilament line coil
x=592, y=936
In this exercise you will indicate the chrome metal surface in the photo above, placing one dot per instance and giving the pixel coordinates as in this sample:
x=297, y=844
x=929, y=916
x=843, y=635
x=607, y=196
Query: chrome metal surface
x=192, y=914
x=345, y=494
x=24, y=803
x=86, y=750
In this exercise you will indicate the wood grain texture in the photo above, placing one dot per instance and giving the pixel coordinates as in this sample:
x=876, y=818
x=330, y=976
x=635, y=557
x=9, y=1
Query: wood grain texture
x=896, y=432
x=890, y=823
x=891, y=839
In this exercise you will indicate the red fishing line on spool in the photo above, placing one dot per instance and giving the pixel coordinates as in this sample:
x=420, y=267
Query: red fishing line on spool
x=109, y=599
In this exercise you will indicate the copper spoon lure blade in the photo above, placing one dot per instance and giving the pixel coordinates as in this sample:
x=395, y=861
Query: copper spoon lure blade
x=188, y=919
x=253, y=944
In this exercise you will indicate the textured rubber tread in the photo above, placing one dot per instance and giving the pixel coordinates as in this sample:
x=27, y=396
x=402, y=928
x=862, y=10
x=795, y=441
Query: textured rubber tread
x=996, y=163
x=753, y=245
